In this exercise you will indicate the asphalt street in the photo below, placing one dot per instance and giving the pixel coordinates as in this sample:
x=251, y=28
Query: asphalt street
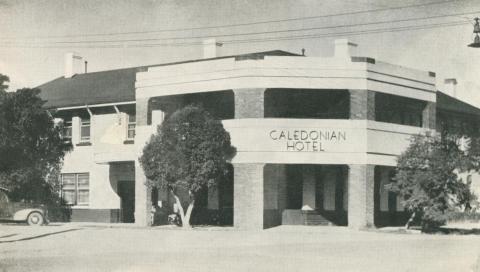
x=70, y=247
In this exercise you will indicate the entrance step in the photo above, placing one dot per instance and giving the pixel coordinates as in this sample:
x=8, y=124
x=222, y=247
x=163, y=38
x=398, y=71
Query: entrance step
x=309, y=218
x=314, y=219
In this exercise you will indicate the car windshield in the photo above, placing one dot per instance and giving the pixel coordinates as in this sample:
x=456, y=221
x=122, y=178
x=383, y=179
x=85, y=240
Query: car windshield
x=3, y=197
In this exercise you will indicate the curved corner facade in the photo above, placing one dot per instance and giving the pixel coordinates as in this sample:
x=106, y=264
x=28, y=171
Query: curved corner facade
x=316, y=138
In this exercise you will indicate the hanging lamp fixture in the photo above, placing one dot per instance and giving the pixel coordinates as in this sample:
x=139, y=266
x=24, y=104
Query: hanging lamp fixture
x=476, y=31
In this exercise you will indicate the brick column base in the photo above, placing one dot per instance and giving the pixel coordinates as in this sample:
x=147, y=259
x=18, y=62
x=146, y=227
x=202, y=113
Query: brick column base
x=361, y=196
x=248, y=196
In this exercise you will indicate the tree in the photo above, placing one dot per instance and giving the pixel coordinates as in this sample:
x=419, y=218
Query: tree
x=31, y=147
x=3, y=79
x=427, y=178
x=189, y=153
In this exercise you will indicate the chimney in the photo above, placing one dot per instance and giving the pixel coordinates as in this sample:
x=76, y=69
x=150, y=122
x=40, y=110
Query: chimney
x=211, y=48
x=451, y=86
x=344, y=48
x=73, y=64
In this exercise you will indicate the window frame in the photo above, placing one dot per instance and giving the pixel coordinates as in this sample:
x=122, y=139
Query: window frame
x=83, y=124
x=76, y=188
x=67, y=126
x=131, y=126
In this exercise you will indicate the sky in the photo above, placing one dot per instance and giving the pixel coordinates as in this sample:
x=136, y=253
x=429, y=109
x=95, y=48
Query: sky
x=430, y=35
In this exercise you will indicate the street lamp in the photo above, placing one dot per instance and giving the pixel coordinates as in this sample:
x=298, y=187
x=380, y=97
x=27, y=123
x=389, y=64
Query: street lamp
x=476, y=30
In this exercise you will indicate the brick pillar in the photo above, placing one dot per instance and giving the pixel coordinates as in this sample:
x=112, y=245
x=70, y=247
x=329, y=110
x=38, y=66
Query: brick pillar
x=249, y=103
x=142, y=193
x=361, y=196
x=362, y=105
x=429, y=115
x=142, y=114
x=248, y=196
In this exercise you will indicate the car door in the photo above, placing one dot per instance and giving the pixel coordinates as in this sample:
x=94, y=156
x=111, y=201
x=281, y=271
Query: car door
x=5, y=206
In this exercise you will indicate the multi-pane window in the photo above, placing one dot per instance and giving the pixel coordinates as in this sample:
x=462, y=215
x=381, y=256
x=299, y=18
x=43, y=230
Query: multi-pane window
x=67, y=130
x=75, y=188
x=131, y=126
x=85, y=130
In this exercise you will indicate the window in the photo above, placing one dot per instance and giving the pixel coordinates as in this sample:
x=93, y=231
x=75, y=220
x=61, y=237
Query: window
x=398, y=110
x=75, y=188
x=131, y=126
x=67, y=130
x=85, y=130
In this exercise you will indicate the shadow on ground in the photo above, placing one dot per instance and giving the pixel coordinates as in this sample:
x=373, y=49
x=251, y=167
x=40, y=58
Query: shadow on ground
x=36, y=237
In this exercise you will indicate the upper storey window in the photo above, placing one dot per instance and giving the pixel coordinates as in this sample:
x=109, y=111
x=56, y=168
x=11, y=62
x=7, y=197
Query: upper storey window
x=131, y=126
x=398, y=110
x=307, y=104
x=85, y=130
x=67, y=130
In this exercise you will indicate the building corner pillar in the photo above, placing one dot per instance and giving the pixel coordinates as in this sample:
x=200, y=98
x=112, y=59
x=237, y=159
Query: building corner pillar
x=361, y=196
x=248, y=196
x=362, y=104
x=249, y=103
x=429, y=115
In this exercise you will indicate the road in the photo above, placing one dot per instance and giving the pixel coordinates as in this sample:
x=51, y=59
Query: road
x=70, y=247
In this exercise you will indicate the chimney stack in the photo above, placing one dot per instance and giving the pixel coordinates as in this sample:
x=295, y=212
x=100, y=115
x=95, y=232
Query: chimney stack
x=211, y=48
x=451, y=86
x=344, y=48
x=73, y=64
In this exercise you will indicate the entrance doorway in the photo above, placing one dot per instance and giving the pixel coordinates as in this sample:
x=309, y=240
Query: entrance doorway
x=314, y=194
x=126, y=191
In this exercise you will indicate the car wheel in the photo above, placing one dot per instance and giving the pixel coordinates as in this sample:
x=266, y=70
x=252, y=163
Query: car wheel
x=35, y=219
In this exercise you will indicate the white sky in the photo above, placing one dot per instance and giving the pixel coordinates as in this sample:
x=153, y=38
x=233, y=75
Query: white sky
x=30, y=59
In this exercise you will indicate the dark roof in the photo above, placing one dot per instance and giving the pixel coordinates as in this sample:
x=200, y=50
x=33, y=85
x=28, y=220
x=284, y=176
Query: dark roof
x=90, y=88
x=113, y=85
x=449, y=103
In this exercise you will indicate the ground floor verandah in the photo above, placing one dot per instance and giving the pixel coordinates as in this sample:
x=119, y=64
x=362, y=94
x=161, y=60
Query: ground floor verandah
x=259, y=196
x=267, y=195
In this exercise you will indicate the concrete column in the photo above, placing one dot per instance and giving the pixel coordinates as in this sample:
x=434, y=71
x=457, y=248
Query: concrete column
x=361, y=196
x=76, y=124
x=309, y=189
x=429, y=115
x=249, y=103
x=248, y=196
x=362, y=104
x=143, y=202
x=142, y=193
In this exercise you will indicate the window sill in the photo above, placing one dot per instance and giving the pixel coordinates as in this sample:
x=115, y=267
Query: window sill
x=79, y=206
x=128, y=142
x=84, y=144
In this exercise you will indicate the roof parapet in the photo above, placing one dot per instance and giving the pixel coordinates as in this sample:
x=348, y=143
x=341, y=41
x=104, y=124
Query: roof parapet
x=345, y=49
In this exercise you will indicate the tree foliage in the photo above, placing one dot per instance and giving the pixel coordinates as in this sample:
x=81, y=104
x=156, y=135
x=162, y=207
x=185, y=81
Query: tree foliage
x=427, y=178
x=189, y=152
x=31, y=147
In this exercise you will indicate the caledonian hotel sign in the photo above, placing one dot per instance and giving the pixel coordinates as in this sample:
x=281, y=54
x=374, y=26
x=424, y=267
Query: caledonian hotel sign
x=311, y=140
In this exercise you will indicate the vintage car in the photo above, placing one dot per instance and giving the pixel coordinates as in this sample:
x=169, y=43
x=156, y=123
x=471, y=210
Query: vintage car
x=33, y=214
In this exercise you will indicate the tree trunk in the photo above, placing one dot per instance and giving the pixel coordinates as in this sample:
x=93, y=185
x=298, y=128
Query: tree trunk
x=188, y=214
x=410, y=220
x=184, y=216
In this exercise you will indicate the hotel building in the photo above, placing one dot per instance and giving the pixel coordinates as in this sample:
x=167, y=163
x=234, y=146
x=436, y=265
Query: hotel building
x=316, y=138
